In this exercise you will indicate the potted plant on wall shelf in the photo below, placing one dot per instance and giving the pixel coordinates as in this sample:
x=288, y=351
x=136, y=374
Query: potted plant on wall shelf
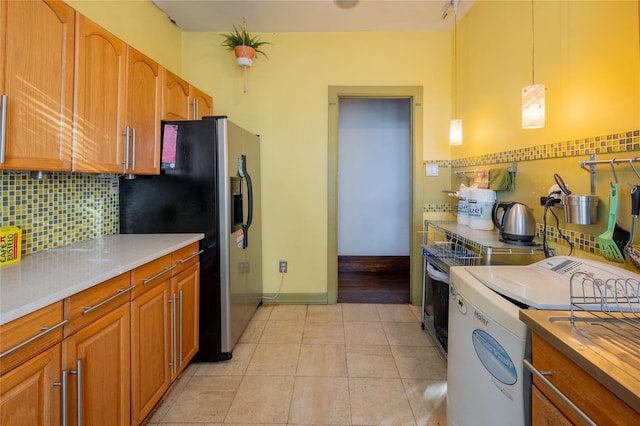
x=245, y=46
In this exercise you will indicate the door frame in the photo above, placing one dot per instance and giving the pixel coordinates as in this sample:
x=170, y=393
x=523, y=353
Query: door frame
x=375, y=92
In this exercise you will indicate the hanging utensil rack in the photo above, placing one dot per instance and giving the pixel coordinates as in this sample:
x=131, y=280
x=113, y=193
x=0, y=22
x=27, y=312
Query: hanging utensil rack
x=591, y=167
x=465, y=173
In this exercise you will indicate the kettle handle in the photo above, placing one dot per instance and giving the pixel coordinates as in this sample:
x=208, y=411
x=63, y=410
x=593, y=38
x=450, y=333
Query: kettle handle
x=505, y=206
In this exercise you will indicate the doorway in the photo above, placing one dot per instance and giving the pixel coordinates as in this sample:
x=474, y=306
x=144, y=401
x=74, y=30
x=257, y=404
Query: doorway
x=411, y=98
x=374, y=199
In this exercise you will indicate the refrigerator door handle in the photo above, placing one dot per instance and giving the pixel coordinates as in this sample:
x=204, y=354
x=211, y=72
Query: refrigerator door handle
x=242, y=170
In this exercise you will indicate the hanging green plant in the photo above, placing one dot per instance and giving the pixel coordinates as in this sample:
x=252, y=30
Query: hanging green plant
x=241, y=37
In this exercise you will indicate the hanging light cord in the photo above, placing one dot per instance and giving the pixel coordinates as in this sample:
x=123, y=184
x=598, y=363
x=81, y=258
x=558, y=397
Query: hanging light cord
x=533, y=46
x=455, y=62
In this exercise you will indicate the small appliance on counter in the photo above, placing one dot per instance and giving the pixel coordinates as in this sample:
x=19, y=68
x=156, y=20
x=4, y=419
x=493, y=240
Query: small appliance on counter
x=515, y=221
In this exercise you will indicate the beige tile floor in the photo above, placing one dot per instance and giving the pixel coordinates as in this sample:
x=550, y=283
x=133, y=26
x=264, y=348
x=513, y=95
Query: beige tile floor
x=344, y=364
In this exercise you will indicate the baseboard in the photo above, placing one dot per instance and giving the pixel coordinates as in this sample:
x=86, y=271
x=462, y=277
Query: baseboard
x=296, y=299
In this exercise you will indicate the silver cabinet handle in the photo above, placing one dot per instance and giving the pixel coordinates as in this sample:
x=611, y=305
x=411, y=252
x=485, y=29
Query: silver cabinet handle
x=3, y=128
x=191, y=257
x=195, y=109
x=164, y=271
x=133, y=149
x=541, y=376
x=78, y=373
x=119, y=293
x=44, y=332
x=173, y=331
x=126, y=148
x=180, y=329
x=64, y=406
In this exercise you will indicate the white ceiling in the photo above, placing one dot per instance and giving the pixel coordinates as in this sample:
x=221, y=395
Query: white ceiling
x=265, y=16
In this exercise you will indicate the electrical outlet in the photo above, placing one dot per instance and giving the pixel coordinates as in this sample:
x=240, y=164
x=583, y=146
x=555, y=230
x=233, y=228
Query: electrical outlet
x=282, y=266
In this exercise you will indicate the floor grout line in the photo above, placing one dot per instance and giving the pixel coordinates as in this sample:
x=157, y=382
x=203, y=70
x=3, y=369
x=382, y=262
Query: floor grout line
x=312, y=336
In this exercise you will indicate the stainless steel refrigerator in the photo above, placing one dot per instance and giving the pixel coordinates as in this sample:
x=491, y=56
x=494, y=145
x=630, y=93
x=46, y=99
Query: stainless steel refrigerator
x=209, y=183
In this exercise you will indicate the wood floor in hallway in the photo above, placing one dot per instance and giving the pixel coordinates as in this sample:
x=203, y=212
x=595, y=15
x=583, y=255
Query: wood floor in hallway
x=373, y=279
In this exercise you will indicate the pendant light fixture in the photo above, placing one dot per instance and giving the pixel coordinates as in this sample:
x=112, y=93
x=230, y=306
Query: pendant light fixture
x=533, y=96
x=455, y=126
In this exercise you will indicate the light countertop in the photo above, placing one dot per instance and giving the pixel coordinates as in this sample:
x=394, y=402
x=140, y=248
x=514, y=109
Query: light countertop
x=594, y=346
x=51, y=275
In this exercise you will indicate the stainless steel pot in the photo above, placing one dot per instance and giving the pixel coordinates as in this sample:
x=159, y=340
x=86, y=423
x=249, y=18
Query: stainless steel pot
x=581, y=209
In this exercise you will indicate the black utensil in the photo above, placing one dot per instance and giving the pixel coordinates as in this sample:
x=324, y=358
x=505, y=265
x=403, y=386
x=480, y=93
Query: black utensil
x=630, y=253
x=620, y=236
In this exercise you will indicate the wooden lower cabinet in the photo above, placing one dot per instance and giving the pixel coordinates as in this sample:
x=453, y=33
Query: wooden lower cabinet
x=150, y=345
x=30, y=393
x=120, y=345
x=164, y=326
x=596, y=401
x=546, y=414
x=97, y=358
x=186, y=291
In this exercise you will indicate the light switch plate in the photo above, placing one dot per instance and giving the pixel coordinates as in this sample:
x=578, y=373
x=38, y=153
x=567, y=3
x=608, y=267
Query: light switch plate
x=431, y=170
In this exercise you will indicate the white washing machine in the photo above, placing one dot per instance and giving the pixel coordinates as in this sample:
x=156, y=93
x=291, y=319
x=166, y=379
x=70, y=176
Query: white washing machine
x=488, y=343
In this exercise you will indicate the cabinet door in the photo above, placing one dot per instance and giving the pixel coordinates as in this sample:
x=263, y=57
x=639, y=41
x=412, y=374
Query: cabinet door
x=150, y=344
x=144, y=94
x=28, y=395
x=176, y=98
x=101, y=350
x=99, y=99
x=543, y=412
x=36, y=75
x=201, y=103
x=187, y=291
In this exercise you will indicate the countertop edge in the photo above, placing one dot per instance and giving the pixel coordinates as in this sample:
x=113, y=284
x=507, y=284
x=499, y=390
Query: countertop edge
x=579, y=353
x=73, y=288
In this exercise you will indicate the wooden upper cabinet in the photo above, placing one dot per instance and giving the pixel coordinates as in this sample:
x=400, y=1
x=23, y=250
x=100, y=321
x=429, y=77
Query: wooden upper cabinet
x=99, y=99
x=201, y=103
x=144, y=102
x=36, y=76
x=176, y=98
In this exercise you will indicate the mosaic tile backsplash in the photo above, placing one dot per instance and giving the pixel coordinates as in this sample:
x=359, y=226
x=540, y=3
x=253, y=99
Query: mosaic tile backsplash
x=71, y=207
x=606, y=144
x=63, y=209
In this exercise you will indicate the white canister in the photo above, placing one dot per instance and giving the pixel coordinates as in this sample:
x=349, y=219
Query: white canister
x=480, y=206
x=463, y=204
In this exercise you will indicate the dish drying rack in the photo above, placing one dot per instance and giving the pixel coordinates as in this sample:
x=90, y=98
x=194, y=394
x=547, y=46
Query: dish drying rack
x=446, y=250
x=606, y=313
x=613, y=300
x=447, y=244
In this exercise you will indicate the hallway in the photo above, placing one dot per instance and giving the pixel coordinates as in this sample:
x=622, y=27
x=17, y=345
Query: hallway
x=344, y=364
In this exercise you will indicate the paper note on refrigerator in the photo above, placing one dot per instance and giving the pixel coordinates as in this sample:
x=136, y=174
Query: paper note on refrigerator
x=169, y=138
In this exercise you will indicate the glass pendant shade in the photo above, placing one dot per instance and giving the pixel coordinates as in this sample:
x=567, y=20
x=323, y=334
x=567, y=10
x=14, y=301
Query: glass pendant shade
x=533, y=106
x=455, y=133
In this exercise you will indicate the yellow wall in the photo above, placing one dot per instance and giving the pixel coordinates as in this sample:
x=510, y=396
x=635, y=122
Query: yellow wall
x=586, y=53
x=140, y=24
x=286, y=103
